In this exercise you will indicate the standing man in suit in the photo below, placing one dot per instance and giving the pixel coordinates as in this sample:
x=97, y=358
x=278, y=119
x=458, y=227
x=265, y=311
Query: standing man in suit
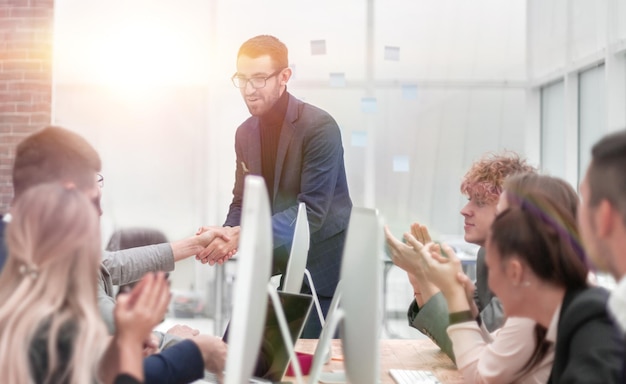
x=297, y=149
x=602, y=216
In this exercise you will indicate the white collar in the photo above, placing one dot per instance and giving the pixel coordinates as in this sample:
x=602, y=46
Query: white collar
x=6, y=218
x=617, y=304
x=554, y=324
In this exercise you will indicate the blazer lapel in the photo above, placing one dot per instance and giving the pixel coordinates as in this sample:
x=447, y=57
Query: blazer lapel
x=252, y=164
x=286, y=133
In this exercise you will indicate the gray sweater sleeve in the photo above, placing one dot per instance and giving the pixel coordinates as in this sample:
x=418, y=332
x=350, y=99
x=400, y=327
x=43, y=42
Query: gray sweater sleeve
x=106, y=305
x=131, y=264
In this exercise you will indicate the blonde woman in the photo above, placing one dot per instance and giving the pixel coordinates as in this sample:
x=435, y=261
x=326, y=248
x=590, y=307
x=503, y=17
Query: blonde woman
x=50, y=327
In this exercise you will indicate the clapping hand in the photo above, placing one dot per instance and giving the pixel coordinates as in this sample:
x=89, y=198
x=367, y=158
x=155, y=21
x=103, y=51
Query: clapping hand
x=138, y=312
x=407, y=257
x=439, y=262
x=404, y=255
x=443, y=268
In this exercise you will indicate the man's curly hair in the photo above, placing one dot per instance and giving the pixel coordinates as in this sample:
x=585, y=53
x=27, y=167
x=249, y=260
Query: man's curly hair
x=483, y=182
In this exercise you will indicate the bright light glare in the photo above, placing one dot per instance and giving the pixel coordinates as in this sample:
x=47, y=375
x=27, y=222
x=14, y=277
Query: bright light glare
x=132, y=45
x=144, y=54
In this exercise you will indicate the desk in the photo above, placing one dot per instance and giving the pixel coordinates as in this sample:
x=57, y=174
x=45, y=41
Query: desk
x=396, y=353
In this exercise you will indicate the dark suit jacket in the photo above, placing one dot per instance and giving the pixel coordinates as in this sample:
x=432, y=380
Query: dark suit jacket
x=589, y=348
x=310, y=169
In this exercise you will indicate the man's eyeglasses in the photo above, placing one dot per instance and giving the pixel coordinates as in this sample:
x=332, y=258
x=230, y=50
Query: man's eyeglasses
x=100, y=180
x=256, y=82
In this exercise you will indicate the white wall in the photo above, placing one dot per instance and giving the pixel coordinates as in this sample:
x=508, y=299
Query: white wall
x=147, y=82
x=581, y=45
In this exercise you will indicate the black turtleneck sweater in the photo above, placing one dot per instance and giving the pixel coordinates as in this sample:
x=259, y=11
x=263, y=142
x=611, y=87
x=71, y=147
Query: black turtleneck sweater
x=271, y=124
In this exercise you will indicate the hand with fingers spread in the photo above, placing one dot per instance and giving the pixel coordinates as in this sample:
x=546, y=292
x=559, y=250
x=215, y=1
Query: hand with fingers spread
x=420, y=232
x=136, y=314
x=404, y=255
x=407, y=257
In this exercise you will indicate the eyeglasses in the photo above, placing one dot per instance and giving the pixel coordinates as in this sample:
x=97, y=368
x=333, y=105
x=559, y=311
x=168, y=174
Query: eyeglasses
x=100, y=180
x=257, y=82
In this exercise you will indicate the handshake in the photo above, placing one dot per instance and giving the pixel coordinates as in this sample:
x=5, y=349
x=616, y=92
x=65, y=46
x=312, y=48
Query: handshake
x=214, y=245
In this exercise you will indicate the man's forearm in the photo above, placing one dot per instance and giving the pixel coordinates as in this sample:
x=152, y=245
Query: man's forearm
x=129, y=265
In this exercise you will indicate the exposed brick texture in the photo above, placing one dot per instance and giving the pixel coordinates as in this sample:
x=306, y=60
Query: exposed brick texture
x=25, y=78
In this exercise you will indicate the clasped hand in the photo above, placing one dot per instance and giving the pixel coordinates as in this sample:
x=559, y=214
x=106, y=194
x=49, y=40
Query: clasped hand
x=221, y=248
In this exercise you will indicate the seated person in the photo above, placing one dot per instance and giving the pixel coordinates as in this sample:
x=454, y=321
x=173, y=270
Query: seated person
x=602, y=217
x=48, y=291
x=482, y=184
x=126, y=238
x=55, y=154
x=538, y=270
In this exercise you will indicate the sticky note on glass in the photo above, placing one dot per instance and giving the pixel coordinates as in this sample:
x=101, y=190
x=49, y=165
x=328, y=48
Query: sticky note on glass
x=392, y=53
x=359, y=138
x=400, y=163
x=368, y=104
x=318, y=47
x=409, y=91
x=337, y=80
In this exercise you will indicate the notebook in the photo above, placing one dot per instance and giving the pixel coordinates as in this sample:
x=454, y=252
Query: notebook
x=273, y=356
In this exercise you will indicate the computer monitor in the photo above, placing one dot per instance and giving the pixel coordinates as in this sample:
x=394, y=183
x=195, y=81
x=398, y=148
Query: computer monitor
x=361, y=275
x=274, y=353
x=296, y=265
x=358, y=319
x=298, y=256
x=250, y=288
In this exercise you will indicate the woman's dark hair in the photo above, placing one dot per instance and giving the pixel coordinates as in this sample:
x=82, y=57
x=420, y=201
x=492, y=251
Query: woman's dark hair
x=554, y=188
x=539, y=227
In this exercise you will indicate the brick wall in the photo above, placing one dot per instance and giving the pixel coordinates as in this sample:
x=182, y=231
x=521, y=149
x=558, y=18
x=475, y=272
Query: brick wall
x=26, y=28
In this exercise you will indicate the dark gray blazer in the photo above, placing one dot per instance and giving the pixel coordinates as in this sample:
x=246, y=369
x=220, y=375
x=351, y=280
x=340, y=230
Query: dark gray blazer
x=589, y=347
x=310, y=169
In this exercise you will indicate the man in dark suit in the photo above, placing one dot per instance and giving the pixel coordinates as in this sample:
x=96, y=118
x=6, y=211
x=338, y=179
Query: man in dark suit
x=602, y=216
x=297, y=149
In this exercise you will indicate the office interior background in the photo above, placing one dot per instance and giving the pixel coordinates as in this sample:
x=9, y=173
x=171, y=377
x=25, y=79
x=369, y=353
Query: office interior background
x=420, y=89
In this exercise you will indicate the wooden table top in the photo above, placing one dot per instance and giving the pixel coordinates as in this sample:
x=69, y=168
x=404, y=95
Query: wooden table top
x=420, y=354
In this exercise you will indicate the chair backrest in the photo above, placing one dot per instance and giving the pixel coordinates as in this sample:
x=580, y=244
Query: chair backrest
x=294, y=273
x=253, y=273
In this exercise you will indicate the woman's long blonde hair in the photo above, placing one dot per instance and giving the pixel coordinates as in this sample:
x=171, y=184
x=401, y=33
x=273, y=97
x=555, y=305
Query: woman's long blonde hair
x=50, y=282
